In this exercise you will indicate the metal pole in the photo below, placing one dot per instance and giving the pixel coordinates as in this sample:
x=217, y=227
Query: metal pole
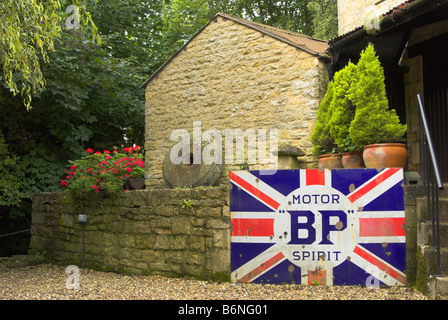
x=83, y=242
x=431, y=149
x=437, y=232
x=434, y=193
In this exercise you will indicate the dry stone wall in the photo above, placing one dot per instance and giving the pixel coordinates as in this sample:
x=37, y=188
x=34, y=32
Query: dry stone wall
x=233, y=77
x=172, y=232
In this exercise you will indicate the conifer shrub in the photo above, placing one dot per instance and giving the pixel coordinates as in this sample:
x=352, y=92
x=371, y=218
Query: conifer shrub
x=343, y=108
x=321, y=138
x=355, y=111
x=373, y=122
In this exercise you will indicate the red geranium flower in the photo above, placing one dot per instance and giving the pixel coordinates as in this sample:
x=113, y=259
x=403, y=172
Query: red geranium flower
x=89, y=150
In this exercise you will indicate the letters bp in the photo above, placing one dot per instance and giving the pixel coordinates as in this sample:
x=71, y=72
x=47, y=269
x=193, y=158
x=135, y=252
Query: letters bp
x=344, y=225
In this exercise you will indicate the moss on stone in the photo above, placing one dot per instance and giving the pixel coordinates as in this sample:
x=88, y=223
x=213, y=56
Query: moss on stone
x=221, y=276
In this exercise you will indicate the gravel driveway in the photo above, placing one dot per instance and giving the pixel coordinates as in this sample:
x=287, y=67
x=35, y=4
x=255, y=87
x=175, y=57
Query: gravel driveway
x=48, y=282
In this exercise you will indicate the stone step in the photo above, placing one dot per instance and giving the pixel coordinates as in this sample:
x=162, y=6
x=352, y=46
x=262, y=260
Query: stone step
x=18, y=261
x=425, y=236
x=420, y=191
x=422, y=209
x=438, y=288
x=428, y=262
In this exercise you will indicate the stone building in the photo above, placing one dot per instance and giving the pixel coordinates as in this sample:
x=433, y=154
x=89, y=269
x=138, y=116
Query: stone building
x=236, y=74
x=353, y=14
x=411, y=40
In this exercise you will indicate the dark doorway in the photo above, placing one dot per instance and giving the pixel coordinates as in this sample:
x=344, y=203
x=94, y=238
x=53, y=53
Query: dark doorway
x=395, y=89
x=435, y=79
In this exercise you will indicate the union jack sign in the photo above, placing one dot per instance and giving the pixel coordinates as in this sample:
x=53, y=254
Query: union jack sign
x=332, y=227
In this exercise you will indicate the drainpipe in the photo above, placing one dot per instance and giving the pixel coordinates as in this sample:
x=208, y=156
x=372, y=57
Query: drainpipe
x=82, y=218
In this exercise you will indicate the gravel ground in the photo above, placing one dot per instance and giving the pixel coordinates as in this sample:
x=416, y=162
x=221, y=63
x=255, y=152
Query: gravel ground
x=48, y=282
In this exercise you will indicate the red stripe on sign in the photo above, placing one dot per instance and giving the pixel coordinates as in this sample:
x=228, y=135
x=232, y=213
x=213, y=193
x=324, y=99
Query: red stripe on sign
x=383, y=176
x=377, y=227
x=253, y=227
x=315, y=177
x=254, y=191
x=381, y=265
x=263, y=267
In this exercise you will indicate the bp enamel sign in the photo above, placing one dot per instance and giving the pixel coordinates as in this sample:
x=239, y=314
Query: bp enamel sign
x=329, y=227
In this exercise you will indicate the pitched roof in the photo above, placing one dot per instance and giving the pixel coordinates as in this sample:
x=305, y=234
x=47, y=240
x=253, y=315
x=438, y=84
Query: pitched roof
x=312, y=46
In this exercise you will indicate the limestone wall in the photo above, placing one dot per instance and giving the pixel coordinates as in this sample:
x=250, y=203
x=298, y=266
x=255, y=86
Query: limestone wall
x=233, y=77
x=353, y=13
x=179, y=232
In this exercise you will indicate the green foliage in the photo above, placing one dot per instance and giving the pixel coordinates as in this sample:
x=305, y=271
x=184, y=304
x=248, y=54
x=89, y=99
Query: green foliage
x=343, y=107
x=324, y=15
x=355, y=110
x=187, y=204
x=220, y=276
x=11, y=186
x=185, y=18
x=374, y=122
x=40, y=171
x=92, y=98
x=291, y=15
x=28, y=32
x=321, y=138
x=103, y=171
x=316, y=18
x=86, y=92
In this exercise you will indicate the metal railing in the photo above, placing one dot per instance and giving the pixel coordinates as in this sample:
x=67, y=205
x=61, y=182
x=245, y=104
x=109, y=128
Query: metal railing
x=431, y=180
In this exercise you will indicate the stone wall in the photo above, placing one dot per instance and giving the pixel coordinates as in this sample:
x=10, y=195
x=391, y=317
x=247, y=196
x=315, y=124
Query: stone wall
x=173, y=232
x=353, y=14
x=411, y=193
x=169, y=232
x=233, y=77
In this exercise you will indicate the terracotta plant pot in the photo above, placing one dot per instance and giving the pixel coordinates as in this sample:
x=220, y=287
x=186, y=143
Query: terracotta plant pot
x=135, y=184
x=385, y=155
x=330, y=161
x=352, y=160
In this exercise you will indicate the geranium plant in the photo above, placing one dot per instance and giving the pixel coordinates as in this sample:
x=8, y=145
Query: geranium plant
x=104, y=171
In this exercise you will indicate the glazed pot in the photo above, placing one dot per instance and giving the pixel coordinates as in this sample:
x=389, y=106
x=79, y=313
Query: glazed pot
x=352, y=160
x=330, y=161
x=385, y=155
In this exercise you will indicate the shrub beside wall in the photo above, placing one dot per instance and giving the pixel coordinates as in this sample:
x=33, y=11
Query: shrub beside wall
x=169, y=232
